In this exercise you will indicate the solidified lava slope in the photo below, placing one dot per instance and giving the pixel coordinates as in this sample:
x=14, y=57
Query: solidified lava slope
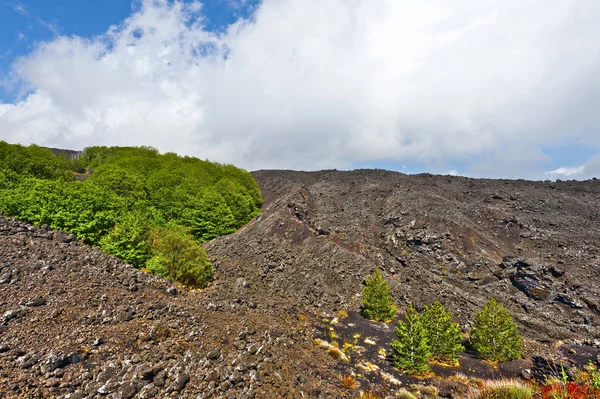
x=77, y=322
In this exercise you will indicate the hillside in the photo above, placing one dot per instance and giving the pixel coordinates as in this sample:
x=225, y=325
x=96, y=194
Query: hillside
x=535, y=246
x=77, y=321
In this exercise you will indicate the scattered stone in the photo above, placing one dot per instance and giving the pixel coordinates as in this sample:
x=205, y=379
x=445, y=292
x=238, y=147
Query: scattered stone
x=39, y=301
x=181, y=380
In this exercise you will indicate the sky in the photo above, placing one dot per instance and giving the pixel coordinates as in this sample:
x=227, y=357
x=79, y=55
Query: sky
x=480, y=88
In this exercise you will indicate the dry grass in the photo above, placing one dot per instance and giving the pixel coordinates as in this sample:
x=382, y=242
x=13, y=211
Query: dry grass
x=349, y=382
x=424, y=392
x=332, y=334
x=368, y=395
x=332, y=350
x=390, y=379
x=336, y=353
x=368, y=367
x=347, y=347
x=404, y=394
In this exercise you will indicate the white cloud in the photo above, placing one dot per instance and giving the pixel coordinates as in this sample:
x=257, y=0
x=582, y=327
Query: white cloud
x=586, y=171
x=567, y=171
x=314, y=84
x=20, y=8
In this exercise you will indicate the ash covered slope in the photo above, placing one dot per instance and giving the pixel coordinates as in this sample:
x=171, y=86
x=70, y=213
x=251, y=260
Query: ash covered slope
x=74, y=321
x=535, y=246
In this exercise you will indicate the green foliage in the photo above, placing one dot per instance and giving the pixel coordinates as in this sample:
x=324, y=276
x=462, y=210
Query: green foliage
x=443, y=335
x=410, y=351
x=132, y=194
x=129, y=238
x=123, y=182
x=178, y=257
x=32, y=161
x=377, y=300
x=495, y=335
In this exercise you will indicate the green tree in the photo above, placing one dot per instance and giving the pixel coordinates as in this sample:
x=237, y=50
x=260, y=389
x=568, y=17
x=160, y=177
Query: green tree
x=178, y=257
x=208, y=216
x=377, y=300
x=494, y=334
x=410, y=352
x=443, y=335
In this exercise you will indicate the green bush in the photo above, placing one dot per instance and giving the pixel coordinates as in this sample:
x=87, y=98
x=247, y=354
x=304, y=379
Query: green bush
x=178, y=257
x=443, y=335
x=495, y=335
x=377, y=300
x=410, y=352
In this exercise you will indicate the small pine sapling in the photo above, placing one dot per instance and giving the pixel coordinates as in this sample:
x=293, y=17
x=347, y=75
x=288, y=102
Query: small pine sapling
x=443, y=335
x=377, y=300
x=495, y=336
x=410, y=352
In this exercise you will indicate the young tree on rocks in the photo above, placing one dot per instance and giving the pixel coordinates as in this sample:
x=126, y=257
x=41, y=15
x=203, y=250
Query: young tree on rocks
x=443, y=335
x=377, y=300
x=410, y=351
x=495, y=335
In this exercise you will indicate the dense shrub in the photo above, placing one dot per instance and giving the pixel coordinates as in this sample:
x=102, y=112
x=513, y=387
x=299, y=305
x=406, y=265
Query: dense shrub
x=178, y=257
x=132, y=193
x=377, y=300
x=495, y=335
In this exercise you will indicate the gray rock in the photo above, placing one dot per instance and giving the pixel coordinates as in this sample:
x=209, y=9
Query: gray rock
x=127, y=390
x=148, y=391
x=214, y=354
x=57, y=361
x=39, y=301
x=109, y=386
x=181, y=381
x=160, y=379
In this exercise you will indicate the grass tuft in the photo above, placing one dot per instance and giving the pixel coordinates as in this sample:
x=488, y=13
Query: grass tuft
x=502, y=389
x=349, y=382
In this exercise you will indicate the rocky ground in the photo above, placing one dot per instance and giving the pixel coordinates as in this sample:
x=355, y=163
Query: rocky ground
x=77, y=323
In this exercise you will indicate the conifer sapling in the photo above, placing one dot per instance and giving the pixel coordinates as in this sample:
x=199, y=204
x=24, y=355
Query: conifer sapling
x=495, y=335
x=410, y=351
x=443, y=335
x=377, y=300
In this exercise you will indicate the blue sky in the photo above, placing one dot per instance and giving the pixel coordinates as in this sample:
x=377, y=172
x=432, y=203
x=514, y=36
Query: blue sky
x=473, y=87
x=25, y=23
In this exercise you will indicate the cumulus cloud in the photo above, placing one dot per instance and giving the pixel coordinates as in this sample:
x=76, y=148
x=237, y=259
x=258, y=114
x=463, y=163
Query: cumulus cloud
x=311, y=84
x=586, y=171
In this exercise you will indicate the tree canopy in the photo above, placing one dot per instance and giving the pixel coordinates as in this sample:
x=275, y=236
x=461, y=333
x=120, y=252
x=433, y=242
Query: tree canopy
x=121, y=198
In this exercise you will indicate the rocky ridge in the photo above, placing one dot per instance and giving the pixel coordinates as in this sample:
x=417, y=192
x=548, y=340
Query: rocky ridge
x=535, y=246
